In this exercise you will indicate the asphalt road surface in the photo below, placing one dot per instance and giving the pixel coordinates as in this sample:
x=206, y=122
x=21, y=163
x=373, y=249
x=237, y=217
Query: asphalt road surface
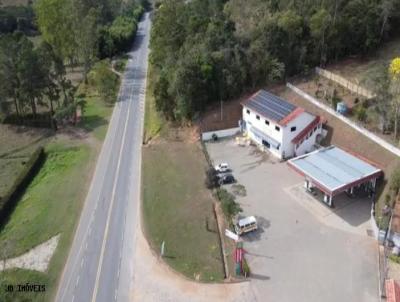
x=100, y=263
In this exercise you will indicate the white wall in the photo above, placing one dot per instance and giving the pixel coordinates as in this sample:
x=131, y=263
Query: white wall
x=308, y=144
x=300, y=122
x=285, y=135
x=260, y=124
x=220, y=133
x=252, y=121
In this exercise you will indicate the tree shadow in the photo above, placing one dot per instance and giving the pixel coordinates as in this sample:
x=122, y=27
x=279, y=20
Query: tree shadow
x=9, y=207
x=92, y=122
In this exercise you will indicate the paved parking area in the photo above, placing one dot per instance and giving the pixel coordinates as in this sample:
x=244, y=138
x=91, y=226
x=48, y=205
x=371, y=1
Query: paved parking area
x=303, y=251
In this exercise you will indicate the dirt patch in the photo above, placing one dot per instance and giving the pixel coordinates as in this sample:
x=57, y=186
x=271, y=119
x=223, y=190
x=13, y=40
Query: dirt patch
x=37, y=259
x=156, y=281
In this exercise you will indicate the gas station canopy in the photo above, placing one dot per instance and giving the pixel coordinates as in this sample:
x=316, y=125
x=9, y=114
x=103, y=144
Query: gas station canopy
x=333, y=170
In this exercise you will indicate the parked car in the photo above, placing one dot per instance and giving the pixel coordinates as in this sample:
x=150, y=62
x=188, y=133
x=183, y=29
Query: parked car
x=222, y=167
x=246, y=225
x=226, y=179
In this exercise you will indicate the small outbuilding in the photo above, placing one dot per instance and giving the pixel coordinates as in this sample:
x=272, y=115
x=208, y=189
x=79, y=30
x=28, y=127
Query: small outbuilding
x=333, y=171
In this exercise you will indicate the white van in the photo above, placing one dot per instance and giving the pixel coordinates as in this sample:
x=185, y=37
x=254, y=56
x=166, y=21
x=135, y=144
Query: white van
x=246, y=225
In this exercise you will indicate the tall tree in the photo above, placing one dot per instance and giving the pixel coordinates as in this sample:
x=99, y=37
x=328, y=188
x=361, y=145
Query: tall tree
x=56, y=23
x=394, y=71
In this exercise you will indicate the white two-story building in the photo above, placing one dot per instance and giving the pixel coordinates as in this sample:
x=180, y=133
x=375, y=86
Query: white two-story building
x=279, y=126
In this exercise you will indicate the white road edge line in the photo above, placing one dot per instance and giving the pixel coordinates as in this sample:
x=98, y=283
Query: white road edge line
x=96, y=286
x=64, y=290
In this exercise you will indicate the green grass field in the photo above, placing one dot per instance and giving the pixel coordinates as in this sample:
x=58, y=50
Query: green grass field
x=153, y=122
x=49, y=207
x=16, y=147
x=53, y=201
x=177, y=207
x=95, y=117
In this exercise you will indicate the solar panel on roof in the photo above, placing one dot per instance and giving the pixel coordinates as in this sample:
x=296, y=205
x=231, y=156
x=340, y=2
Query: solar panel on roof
x=270, y=105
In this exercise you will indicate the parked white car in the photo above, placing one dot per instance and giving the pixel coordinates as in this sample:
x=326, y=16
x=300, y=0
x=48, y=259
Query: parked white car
x=246, y=225
x=222, y=167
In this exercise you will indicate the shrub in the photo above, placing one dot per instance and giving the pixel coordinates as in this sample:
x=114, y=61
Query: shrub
x=384, y=222
x=395, y=180
x=394, y=258
x=246, y=268
x=360, y=113
x=229, y=205
x=335, y=99
x=211, y=178
x=105, y=81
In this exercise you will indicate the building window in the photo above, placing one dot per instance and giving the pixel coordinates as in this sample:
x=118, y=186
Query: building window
x=267, y=122
x=248, y=111
x=293, y=129
x=257, y=117
x=277, y=128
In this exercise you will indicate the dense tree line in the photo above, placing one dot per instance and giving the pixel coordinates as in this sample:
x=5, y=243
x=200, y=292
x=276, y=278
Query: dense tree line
x=21, y=18
x=31, y=77
x=118, y=36
x=34, y=88
x=210, y=50
x=83, y=30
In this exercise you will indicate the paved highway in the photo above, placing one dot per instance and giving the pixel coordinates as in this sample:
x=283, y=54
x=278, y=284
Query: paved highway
x=100, y=263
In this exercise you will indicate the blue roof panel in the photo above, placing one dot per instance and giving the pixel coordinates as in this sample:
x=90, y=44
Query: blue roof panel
x=270, y=106
x=333, y=168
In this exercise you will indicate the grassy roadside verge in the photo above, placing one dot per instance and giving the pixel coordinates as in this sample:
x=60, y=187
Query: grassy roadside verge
x=47, y=208
x=153, y=122
x=177, y=209
x=53, y=201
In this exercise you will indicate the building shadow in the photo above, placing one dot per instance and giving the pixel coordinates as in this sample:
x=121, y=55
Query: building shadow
x=354, y=209
x=259, y=277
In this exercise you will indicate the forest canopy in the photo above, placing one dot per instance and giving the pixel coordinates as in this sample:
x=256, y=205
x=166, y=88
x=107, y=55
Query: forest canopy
x=210, y=50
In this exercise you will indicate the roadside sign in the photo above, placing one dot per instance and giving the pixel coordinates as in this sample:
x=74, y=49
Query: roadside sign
x=231, y=235
x=162, y=248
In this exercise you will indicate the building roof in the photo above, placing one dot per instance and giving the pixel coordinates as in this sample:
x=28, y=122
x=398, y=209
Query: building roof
x=392, y=291
x=334, y=170
x=273, y=107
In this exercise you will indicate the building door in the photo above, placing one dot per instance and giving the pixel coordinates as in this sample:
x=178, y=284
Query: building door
x=266, y=144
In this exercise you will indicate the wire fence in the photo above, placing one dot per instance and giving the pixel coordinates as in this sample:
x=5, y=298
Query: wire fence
x=344, y=82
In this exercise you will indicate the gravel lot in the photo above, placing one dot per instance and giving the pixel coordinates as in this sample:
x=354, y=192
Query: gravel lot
x=303, y=251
